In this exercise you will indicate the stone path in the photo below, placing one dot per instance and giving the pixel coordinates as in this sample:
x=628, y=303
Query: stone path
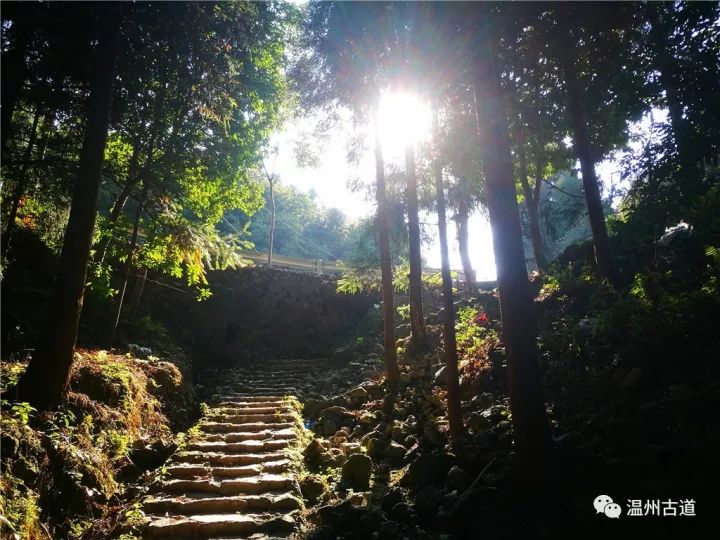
x=235, y=479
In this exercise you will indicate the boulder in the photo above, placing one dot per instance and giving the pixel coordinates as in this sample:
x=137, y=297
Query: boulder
x=403, y=513
x=316, y=454
x=394, y=496
x=457, y=480
x=427, y=469
x=329, y=427
x=395, y=451
x=313, y=488
x=428, y=500
x=356, y=472
x=358, y=395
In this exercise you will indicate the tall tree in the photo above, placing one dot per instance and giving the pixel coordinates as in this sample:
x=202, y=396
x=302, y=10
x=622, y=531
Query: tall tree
x=419, y=340
x=581, y=144
x=349, y=60
x=449, y=337
x=383, y=231
x=45, y=381
x=530, y=425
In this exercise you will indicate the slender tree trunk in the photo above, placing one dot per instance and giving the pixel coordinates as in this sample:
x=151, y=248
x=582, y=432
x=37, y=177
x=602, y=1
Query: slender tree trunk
x=419, y=338
x=462, y=217
x=21, y=186
x=581, y=143
x=119, y=206
x=451, y=357
x=138, y=292
x=531, y=204
x=128, y=268
x=45, y=381
x=530, y=426
x=391, y=365
x=271, y=232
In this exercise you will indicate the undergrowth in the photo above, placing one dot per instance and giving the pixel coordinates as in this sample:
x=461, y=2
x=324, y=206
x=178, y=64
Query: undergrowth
x=77, y=472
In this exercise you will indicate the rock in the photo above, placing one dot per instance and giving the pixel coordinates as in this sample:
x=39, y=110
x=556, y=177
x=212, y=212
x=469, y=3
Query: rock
x=394, y=496
x=402, y=330
x=350, y=448
x=483, y=400
x=417, y=373
x=313, y=488
x=403, y=513
x=633, y=378
x=382, y=472
x=427, y=469
x=323, y=532
x=139, y=351
x=428, y=500
x=395, y=451
x=376, y=447
x=343, y=355
x=311, y=406
x=358, y=395
x=398, y=431
x=315, y=454
x=478, y=422
x=433, y=434
x=373, y=389
x=329, y=427
x=441, y=377
x=457, y=480
x=356, y=472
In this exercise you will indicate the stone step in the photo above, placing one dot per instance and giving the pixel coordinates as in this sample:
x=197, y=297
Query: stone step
x=202, y=470
x=237, y=447
x=255, y=390
x=251, y=410
x=285, y=502
x=268, y=434
x=251, y=485
x=247, y=418
x=210, y=525
x=203, y=526
x=227, y=460
x=237, y=396
x=248, y=427
x=235, y=404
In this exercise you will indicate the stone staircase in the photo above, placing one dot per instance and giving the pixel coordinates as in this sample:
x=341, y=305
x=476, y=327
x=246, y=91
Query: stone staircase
x=235, y=478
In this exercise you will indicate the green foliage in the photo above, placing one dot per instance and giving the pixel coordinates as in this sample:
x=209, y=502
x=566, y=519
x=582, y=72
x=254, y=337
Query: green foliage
x=473, y=332
x=403, y=311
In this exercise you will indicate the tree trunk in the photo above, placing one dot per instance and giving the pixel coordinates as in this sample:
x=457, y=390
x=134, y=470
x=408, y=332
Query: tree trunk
x=461, y=220
x=530, y=426
x=419, y=338
x=660, y=36
x=393, y=372
x=271, y=233
x=451, y=357
x=128, y=268
x=531, y=204
x=21, y=183
x=138, y=289
x=45, y=381
x=581, y=144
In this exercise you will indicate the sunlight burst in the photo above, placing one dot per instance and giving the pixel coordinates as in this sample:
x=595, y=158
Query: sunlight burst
x=404, y=119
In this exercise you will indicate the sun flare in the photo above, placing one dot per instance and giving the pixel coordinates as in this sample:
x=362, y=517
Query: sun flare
x=403, y=119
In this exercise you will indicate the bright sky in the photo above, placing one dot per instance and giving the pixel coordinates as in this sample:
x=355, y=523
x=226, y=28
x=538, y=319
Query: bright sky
x=331, y=177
